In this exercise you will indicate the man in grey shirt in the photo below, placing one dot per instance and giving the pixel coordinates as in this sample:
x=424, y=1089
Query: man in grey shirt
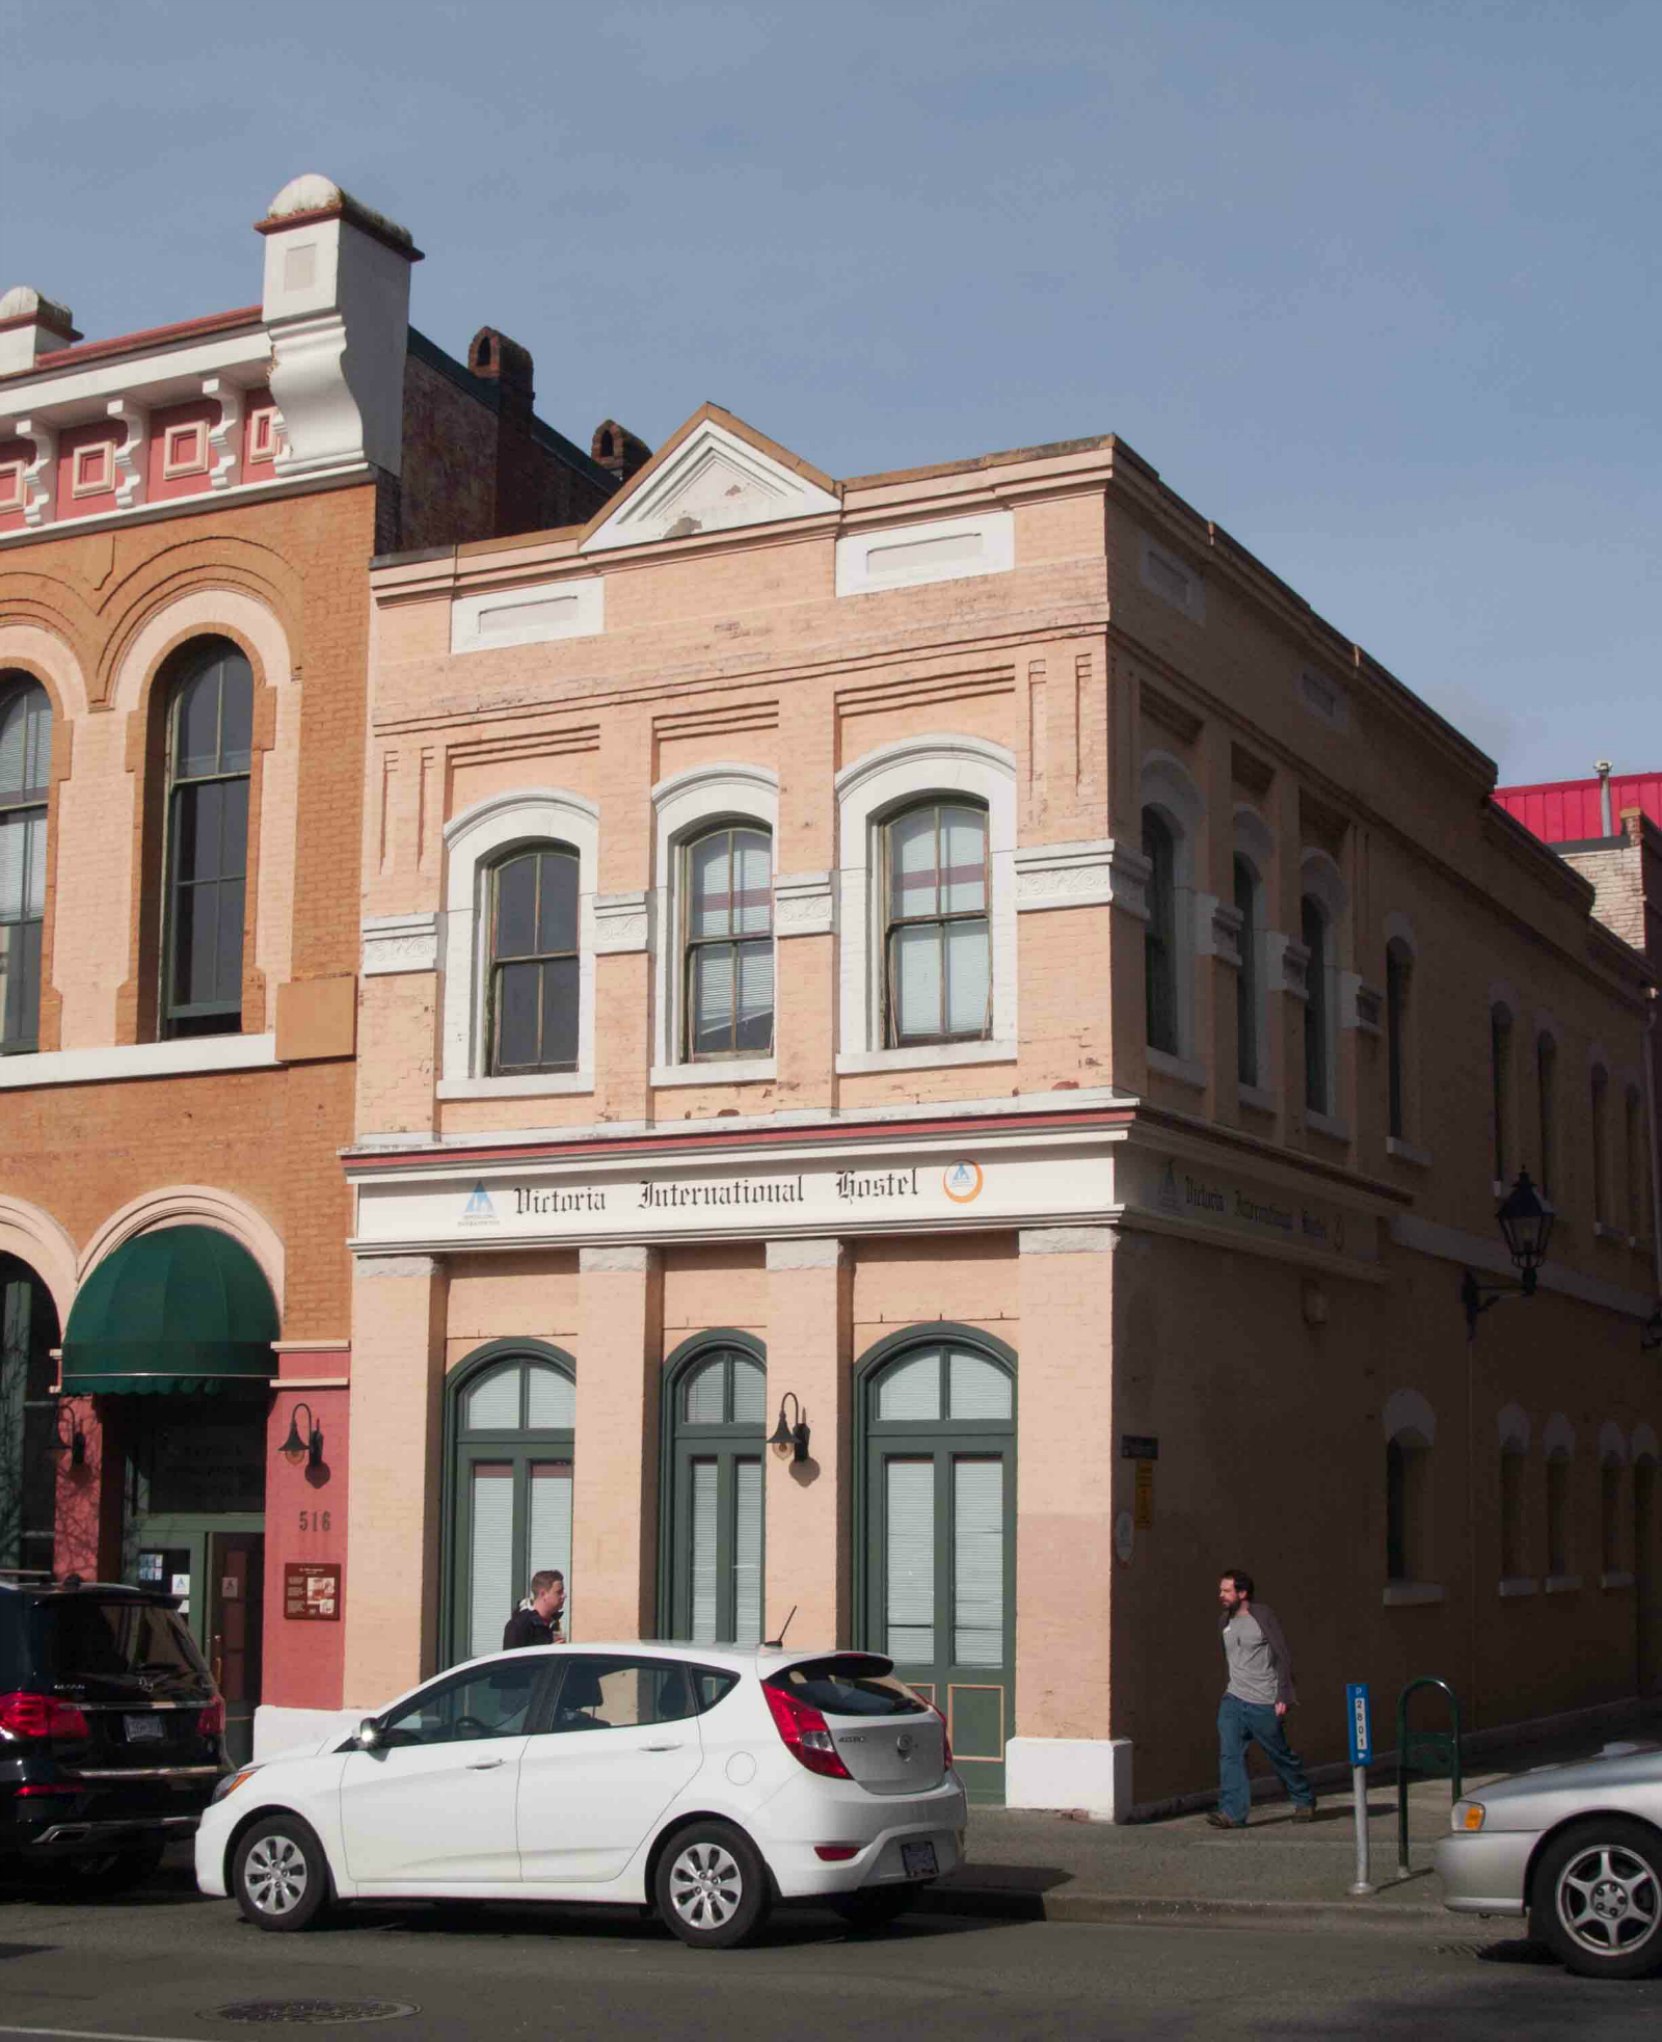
x=1254, y=1705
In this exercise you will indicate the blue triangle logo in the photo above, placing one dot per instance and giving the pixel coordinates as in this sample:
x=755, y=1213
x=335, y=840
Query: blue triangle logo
x=479, y=1206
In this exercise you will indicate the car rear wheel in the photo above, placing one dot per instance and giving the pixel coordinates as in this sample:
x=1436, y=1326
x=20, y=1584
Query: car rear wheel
x=875, y=1907
x=280, y=1875
x=1596, y=1898
x=712, y=1887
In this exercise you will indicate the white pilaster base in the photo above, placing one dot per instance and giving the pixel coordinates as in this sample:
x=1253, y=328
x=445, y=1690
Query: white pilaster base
x=1093, y=1773
x=278, y=1730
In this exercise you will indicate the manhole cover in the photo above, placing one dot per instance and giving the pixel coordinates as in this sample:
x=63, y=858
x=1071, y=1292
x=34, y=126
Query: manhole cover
x=316, y=2013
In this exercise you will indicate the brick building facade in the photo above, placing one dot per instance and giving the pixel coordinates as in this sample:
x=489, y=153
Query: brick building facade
x=186, y=520
x=967, y=962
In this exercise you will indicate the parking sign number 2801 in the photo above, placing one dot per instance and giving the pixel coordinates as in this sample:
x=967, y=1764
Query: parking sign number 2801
x=314, y=1520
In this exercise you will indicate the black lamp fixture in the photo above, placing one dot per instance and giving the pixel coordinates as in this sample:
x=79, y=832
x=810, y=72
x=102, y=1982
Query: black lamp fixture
x=74, y=1441
x=1650, y=1333
x=1525, y=1221
x=308, y=1448
x=790, y=1438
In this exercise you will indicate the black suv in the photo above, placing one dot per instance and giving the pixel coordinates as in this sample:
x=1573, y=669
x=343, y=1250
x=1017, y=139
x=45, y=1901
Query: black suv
x=112, y=1733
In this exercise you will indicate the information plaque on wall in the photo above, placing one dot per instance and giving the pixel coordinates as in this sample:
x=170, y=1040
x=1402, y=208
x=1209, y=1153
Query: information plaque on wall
x=311, y=1591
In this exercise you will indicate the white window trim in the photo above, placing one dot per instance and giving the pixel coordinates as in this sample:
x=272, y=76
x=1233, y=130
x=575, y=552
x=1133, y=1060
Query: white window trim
x=683, y=806
x=868, y=792
x=472, y=841
x=1319, y=878
x=1255, y=844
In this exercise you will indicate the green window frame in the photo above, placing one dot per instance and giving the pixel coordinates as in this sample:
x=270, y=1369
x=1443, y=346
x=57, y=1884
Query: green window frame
x=493, y=1435
x=712, y=1548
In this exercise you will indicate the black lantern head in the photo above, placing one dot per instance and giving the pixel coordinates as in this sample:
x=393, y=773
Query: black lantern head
x=1526, y=1225
x=307, y=1447
x=787, y=1438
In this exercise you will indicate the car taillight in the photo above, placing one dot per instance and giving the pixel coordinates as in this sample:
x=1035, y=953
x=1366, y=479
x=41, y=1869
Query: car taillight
x=805, y=1734
x=25, y=1715
x=211, y=1722
x=946, y=1738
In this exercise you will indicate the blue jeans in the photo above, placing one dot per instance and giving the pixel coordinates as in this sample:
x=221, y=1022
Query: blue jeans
x=1243, y=1723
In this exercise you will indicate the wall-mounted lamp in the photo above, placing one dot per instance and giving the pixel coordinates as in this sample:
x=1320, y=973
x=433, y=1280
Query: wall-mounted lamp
x=1525, y=1224
x=308, y=1447
x=74, y=1441
x=787, y=1438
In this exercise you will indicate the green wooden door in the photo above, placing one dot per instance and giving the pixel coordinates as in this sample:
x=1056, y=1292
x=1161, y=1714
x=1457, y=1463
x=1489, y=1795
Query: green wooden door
x=718, y=1419
x=513, y=1437
x=938, y=1501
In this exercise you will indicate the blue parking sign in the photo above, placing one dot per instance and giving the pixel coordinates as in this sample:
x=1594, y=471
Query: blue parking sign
x=1359, y=1710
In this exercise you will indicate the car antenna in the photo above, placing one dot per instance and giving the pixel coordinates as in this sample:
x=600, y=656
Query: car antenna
x=778, y=1644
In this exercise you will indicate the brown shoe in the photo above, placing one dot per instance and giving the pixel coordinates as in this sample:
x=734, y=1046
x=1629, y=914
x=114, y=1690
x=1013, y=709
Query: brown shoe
x=1219, y=1820
x=1305, y=1814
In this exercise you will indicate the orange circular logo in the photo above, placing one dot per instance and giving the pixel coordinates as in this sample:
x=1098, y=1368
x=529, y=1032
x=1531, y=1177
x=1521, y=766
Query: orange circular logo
x=962, y=1182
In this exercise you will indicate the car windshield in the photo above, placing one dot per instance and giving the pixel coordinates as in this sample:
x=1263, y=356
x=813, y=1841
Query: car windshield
x=123, y=1642
x=851, y=1684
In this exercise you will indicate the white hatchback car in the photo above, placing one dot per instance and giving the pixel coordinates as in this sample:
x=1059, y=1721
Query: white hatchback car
x=704, y=1781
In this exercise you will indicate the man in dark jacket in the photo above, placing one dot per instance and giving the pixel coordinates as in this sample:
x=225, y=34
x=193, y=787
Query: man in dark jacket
x=538, y=1623
x=1254, y=1705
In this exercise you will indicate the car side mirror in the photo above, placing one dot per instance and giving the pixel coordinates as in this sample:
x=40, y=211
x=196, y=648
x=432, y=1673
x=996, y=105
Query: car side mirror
x=367, y=1736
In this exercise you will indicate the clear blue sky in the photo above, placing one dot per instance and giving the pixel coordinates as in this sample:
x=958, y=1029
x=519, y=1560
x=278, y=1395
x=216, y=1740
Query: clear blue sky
x=1373, y=286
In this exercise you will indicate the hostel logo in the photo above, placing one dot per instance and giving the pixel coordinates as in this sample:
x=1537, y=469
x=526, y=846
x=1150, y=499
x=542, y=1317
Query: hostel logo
x=962, y=1182
x=479, y=1211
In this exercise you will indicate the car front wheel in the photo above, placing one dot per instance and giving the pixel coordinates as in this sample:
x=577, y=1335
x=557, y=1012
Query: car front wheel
x=712, y=1887
x=1596, y=1898
x=280, y=1875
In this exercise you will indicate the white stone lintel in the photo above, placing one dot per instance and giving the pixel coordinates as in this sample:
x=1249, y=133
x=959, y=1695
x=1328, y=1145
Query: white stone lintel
x=817, y=1253
x=397, y=943
x=1066, y=1240
x=624, y=1259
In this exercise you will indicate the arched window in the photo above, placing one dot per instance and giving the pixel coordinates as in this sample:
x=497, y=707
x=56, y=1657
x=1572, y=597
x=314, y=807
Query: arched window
x=1314, y=932
x=209, y=754
x=28, y=1417
x=1399, y=984
x=937, y=954
x=25, y=767
x=1558, y=1514
x=1513, y=1565
x=1610, y=1516
x=727, y=939
x=716, y=1430
x=1633, y=1162
x=511, y=1416
x=1160, y=955
x=1251, y=978
x=937, y=1482
x=1410, y=1436
x=1601, y=1144
x=1546, y=1110
x=1500, y=1091
x=534, y=979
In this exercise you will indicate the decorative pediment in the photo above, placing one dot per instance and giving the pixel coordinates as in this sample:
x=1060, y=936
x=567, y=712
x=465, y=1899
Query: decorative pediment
x=710, y=478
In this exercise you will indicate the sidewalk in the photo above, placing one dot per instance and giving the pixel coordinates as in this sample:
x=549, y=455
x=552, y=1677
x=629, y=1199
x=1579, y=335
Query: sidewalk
x=1056, y=1867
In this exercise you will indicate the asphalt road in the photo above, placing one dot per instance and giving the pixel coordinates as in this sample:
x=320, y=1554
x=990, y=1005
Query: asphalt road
x=166, y=1963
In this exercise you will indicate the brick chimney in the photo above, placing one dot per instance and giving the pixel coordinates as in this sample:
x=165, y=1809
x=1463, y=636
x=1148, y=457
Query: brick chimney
x=31, y=326
x=494, y=358
x=617, y=450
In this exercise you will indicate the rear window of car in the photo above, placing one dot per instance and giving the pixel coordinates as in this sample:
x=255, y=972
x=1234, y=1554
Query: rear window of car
x=84, y=1638
x=850, y=1684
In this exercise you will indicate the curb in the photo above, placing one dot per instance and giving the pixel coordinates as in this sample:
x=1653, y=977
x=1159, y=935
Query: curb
x=1063, y=1905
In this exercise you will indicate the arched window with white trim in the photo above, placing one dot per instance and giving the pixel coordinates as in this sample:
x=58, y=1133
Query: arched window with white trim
x=1323, y=904
x=1558, y=1445
x=1546, y=1110
x=210, y=739
x=1599, y=1133
x=1613, y=1572
x=1399, y=1009
x=1503, y=1151
x=926, y=838
x=518, y=946
x=1410, y=1436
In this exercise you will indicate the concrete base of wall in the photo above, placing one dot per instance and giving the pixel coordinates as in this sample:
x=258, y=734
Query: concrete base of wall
x=277, y=1730
x=1093, y=1773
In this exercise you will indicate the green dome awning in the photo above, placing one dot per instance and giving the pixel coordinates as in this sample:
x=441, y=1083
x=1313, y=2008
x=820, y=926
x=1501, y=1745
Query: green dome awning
x=180, y=1309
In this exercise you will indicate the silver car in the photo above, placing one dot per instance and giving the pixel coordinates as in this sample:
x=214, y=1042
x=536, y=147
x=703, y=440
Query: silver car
x=1578, y=1848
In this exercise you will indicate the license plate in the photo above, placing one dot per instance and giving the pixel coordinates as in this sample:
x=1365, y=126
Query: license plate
x=143, y=1729
x=917, y=1860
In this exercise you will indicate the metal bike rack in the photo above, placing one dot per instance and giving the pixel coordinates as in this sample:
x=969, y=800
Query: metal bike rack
x=1441, y=1748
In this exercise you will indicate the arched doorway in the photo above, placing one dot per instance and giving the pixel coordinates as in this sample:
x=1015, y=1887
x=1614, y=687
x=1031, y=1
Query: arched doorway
x=936, y=1510
x=510, y=1419
x=28, y=1418
x=715, y=1428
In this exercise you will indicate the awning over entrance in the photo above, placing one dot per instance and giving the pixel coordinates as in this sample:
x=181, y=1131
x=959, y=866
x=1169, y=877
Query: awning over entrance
x=180, y=1309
